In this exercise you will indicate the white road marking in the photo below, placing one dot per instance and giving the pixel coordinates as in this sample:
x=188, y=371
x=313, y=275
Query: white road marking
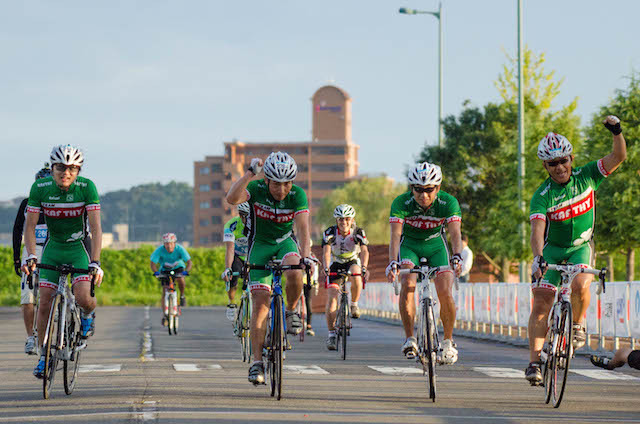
x=100, y=368
x=396, y=370
x=500, y=372
x=305, y=369
x=195, y=367
x=146, y=353
x=604, y=374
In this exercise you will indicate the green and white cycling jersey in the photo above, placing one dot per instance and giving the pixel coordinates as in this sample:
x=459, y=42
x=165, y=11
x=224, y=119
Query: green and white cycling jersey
x=569, y=209
x=424, y=224
x=234, y=233
x=64, y=210
x=271, y=221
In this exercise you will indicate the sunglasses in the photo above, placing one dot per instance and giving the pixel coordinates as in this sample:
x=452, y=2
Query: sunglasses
x=423, y=190
x=553, y=163
x=62, y=167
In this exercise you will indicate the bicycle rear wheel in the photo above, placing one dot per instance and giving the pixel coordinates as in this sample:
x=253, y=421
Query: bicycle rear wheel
x=53, y=338
x=170, y=321
x=431, y=333
x=72, y=364
x=302, y=307
x=562, y=354
x=344, y=327
x=176, y=322
x=243, y=329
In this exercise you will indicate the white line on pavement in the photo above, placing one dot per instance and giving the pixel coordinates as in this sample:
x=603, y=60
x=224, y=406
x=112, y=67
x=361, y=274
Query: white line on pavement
x=100, y=368
x=604, y=374
x=396, y=370
x=195, y=367
x=500, y=372
x=305, y=369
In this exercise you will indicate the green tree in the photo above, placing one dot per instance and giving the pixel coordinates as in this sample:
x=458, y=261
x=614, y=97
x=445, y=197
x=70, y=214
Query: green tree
x=371, y=198
x=618, y=198
x=479, y=159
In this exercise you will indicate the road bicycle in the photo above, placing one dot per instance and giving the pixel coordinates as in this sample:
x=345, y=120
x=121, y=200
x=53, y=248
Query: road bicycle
x=63, y=339
x=242, y=323
x=276, y=340
x=343, y=317
x=558, y=349
x=429, y=351
x=170, y=306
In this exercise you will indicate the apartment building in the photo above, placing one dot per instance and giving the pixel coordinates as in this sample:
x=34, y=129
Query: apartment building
x=325, y=163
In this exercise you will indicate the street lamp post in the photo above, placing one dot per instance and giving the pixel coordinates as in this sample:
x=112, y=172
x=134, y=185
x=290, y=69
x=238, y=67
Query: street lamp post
x=438, y=15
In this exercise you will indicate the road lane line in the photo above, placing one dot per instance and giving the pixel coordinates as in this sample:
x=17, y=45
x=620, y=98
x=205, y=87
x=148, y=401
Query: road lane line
x=305, y=369
x=146, y=353
x=500, y=372
x=100, y=368
x=195, y=367
x=396, y=370
x=604, y=374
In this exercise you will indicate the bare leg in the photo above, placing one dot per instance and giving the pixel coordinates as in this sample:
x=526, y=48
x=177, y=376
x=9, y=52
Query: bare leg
x=580, y=296
x=27, y=316
x=444, y=284
x=542, y=302
x=46, y=297
x=332, y=306
x=259, y=313
x=407, y=303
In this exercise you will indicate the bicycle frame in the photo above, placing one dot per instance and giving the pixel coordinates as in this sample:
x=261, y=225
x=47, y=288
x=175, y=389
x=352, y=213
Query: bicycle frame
x=343, y=317
x=170, y=300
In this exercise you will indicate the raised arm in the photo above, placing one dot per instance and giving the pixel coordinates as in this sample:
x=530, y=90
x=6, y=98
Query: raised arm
x=237, y=192
x=612, y=161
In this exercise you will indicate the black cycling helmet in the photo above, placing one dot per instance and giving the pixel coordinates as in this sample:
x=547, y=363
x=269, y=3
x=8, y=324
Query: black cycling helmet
x=44, y=172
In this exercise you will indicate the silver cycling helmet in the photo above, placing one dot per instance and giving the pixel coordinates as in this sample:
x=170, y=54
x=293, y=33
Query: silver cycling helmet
x=425, y=173
x=67, y=155
x=44, y=172
x=244, y=208
x=280, y=167
x=554, y=146
x=344, y=211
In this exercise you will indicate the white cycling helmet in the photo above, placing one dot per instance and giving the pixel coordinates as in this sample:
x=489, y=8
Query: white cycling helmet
x=244, y=208
x=67, y=155
x=280, y=167
x=169, y=238
x=554, y=146
x=425, y=173
x=344, y=211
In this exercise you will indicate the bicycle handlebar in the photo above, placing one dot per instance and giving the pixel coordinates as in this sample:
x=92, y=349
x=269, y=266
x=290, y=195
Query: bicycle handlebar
x=344, y=273
x=579, y=269
x=427, y=273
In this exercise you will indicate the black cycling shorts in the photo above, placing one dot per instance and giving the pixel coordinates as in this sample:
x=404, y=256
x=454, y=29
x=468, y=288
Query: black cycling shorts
x=337, y=267
x=236, y=266
x=634, y=359
x=165, y=280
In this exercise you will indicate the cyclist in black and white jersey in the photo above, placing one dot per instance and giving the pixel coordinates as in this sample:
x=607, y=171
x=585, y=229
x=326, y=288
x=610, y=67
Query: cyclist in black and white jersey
x=344, y=248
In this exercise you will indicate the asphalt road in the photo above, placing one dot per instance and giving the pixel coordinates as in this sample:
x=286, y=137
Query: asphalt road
x=133, y=371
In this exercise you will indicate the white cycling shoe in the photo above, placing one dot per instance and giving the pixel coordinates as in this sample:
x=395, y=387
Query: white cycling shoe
x=449, y=353
x=410, y=348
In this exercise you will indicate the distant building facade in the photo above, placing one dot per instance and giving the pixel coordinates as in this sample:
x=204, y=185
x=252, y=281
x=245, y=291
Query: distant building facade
x=324, y=164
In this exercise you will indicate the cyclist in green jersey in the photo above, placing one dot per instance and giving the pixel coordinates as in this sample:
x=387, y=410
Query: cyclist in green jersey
x=562, y=222
x=417, y=221
x=63, y=198
x=235, y=255
x=275, y=204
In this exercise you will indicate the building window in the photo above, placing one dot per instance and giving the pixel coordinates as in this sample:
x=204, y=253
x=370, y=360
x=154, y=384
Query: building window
x=327, y=150
x=216, y=185
x=204, y=205
x=204, y=187
x=216, y=237
x=327, y=167
x=204, y=240
x=204, y=222
x=216, y=167
x=215, y=219
x=326, y=185
x=216, y=203
x=204, y=171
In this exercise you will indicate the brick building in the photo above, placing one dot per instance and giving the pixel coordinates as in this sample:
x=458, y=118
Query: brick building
x=325, y=163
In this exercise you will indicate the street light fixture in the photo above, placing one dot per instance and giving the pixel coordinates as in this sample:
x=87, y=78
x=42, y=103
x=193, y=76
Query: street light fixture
x=438, y=15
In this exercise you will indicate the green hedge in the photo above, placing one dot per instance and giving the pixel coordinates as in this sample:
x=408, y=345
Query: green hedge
x=129, y=280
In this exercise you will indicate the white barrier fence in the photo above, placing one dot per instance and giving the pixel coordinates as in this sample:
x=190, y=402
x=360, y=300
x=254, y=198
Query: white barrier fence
x=484, y=307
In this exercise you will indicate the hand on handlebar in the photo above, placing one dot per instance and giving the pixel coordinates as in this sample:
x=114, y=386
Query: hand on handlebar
x=96, y=272
x=538, y=268
x=392, y=271
x=226, y=275
x=30, y=264
x=456, y=264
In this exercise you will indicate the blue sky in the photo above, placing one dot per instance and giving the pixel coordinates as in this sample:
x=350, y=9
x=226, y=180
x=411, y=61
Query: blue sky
x=147, y=87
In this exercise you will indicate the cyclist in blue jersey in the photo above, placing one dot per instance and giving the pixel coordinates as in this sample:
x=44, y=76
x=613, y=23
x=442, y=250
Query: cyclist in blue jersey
x=171, y=257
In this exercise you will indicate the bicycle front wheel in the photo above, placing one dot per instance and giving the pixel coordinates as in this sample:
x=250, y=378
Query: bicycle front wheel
x=72, y=364
x=302, y=307
x=431, y=333
x=344, y=327
x=52, y=341
x=563, y=353
x=277, y=347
